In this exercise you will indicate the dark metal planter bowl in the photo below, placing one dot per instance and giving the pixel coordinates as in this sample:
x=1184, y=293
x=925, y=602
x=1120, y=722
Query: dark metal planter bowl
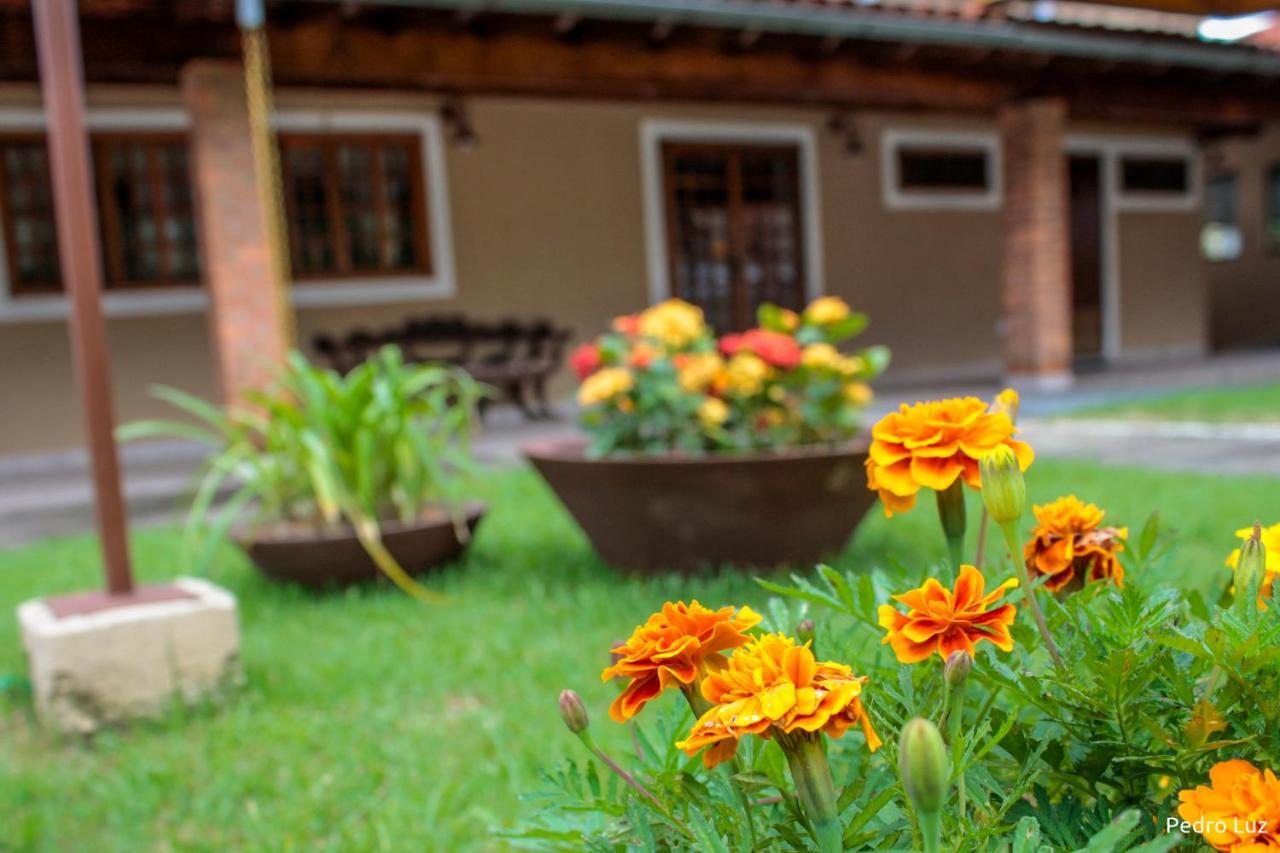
x=684, y=513
x=320, y=559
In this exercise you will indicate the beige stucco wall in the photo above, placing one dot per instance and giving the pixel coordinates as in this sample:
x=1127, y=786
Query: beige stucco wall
x=1243, y=291
x=1163, y=308
x=548, y=219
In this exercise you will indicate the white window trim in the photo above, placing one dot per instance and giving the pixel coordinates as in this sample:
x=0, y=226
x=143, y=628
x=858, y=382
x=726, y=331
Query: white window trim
x=895, y=198
x=1110, y=150
x=440, y=284
x=655, y=131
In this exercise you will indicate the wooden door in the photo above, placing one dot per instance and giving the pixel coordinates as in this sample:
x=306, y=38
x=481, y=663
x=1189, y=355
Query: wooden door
x=1086, y=258
x=735, y=233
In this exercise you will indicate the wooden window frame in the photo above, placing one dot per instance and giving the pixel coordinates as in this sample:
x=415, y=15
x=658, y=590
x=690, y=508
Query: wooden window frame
x=329, y=141
x=108, y=225
x=670, y=149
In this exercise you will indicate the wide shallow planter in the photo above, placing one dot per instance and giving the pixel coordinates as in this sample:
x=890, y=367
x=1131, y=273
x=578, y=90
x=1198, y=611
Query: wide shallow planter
x=685, y=513
x=320, y=559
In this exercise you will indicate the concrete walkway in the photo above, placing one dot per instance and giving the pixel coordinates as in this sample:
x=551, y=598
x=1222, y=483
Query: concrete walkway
x=49, y=495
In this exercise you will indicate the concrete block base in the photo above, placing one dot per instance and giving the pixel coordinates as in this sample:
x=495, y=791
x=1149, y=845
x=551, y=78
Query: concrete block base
x=96, y=659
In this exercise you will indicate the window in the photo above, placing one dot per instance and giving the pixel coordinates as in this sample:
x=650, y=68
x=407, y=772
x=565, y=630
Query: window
x=958, y=169
x=355, y=205
x=144, y=206
x=1154, y=175
x=940, y=170
x=1273, y=210
x=1220, y=237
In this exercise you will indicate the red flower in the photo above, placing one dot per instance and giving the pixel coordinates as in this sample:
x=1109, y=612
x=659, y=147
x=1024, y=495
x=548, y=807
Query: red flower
x=777, y=350
x=585, y=360
x=627, y=324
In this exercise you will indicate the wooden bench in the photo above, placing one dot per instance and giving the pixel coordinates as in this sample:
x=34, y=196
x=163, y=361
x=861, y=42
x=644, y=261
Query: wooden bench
x=514, y=357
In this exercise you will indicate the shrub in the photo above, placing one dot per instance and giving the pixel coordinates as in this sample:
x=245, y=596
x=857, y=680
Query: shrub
x=386, y=442
x=661, y=381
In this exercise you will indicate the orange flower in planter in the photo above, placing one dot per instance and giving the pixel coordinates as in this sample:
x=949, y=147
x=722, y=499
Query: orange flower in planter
x=673, y=648
x=775, y=348
x=944, y=621
x=1069, y=544
x=930, y=445
x=1238, y=811
x=772, y=685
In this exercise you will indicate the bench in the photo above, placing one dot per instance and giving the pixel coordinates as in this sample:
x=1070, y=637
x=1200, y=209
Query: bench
x=514, y=357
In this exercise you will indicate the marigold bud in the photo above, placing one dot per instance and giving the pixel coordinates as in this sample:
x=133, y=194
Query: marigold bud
x=572, y=711
x=1004, y=491
x=1251, y=570
x=805, y=631
x=957, y=668
x=922, y=761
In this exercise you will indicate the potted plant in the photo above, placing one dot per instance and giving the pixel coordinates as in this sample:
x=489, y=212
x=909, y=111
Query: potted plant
x=336, y=478
x=740, y=450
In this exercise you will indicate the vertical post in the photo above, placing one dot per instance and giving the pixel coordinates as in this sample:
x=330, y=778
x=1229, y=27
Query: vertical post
x=62, y=85
x=1037, y=240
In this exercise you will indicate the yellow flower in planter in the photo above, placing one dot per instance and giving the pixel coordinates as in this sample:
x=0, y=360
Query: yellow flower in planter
x=930, y=445
x=820, y=356
x=744, y=374
x=858, y=393
x=712, y=412
x=850, y=366
x=771, y=686
x=605, y=385
x=1070, y=547
x=696, y=371
x=942, y=621
x=826, y=310
x=674, y=322
x=1238, y=811
x=673, y=648
x=1271, y=543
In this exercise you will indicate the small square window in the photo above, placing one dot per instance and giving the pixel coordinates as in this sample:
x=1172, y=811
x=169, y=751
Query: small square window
x=1154, y=175
x=952, y=169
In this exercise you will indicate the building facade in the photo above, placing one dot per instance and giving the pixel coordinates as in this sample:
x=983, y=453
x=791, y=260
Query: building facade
x=995, y=211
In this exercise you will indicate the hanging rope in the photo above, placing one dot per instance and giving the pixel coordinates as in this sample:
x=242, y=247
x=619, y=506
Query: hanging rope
x=266, y=167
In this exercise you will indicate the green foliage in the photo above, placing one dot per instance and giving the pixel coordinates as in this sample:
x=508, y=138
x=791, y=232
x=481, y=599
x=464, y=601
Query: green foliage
x=320, y=450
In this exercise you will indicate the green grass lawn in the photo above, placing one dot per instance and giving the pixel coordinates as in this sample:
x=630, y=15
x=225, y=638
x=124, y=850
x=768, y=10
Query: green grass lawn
x=369, y=721
x=1254, y=403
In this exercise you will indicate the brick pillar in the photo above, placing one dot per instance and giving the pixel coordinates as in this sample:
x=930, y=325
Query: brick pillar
x=1037, y=239
x=247, y=328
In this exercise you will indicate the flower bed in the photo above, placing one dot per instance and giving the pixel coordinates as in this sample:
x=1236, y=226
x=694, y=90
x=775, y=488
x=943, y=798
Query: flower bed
x=1044, y=692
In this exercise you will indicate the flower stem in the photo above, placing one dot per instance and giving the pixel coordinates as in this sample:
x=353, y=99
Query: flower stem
x=1028, y=594
x=812, y=775
x=980, y=553
x=630, y=780
x=951, y=514
x=930, y=831
x=955, y=713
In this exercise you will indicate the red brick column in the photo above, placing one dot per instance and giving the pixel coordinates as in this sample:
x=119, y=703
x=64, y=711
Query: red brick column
x=1037, y=235
x=247, y=328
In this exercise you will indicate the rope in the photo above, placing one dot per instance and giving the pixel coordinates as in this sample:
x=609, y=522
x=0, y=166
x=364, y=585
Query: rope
x=266, y=167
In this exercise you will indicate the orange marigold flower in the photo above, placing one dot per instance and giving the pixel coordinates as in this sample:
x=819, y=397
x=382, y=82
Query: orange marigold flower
x=673, y=648
x=772, y=685
x=1238, y=811
x=942, y=621
x=1069, y=546
x=929, y=445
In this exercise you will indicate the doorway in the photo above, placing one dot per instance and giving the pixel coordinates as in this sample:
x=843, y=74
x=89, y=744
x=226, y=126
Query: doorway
x=734, y=229
x=1087, y=235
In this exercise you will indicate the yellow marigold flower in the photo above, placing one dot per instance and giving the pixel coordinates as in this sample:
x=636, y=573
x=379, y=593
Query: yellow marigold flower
x=605, y=385
x=712, y=412
x=1238, y=811
x=820, y=355
x=1069, y=546
x=744, y=374
x=826, y=310
x=1271, y=543
x=850, y=366
x=771, y=686
x=673, y=648
x=674, y=322
x=858, y=393
x=696, y=371
x=942, y=621
x=929, y=445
